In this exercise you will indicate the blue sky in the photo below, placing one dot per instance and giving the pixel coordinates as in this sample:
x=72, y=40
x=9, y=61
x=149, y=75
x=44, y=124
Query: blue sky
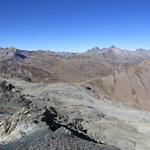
x=74, y=25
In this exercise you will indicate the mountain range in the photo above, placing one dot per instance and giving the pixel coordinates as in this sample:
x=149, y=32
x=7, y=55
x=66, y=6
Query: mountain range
x=94, y=100
x=120, y=75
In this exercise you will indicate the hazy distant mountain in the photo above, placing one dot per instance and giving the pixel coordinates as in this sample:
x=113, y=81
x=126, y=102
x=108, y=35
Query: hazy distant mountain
x=51, y=100
x=124, y=73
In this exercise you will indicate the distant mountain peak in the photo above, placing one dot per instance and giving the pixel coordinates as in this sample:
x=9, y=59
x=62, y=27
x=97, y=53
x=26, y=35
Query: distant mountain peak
x=7, y=53
x=113, y=46
x=93, y=50
x=115, y=50
x=96, y=50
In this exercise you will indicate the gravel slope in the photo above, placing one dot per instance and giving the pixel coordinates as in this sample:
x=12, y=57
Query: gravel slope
x=104, y=121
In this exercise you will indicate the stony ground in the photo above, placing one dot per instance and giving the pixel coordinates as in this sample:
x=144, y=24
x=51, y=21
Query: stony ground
x=87, y=120
x=60, y=139
x=34, y=125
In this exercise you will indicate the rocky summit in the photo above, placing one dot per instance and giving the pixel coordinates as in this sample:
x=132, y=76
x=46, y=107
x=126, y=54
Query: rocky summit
x=95, y=100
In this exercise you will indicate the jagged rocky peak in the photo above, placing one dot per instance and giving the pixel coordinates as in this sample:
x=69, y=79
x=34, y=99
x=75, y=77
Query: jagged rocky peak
x=93, y=50
x=7, y=53
x=115, y=49
x=141, y=50
x=113, y=46
x=96, y=50
x=11, y=52
x=8, y=49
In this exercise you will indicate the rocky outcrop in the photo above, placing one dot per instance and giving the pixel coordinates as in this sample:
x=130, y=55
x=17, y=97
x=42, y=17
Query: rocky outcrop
x=70, y=106
x=7, y=53
x=28, y=124
x=96, y=114
x=60, y=139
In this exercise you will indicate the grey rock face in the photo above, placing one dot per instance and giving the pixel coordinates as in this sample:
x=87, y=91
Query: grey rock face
x=70, y=107
x=60, y=139
x=40, y=128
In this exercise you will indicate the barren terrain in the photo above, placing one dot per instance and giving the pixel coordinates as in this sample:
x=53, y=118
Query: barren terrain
x=98, y=99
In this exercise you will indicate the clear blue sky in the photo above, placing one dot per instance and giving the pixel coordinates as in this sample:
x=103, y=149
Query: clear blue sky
x=66, y=25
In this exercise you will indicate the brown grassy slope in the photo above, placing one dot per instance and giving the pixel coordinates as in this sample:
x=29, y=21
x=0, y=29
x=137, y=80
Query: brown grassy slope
x=131, y=87
x=48, y=66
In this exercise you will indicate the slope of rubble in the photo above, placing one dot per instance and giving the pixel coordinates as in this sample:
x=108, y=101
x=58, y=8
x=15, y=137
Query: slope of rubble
x=54, y=108
x=31, y=125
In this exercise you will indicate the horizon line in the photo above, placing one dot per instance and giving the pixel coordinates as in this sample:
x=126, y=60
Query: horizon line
x=71, y=51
